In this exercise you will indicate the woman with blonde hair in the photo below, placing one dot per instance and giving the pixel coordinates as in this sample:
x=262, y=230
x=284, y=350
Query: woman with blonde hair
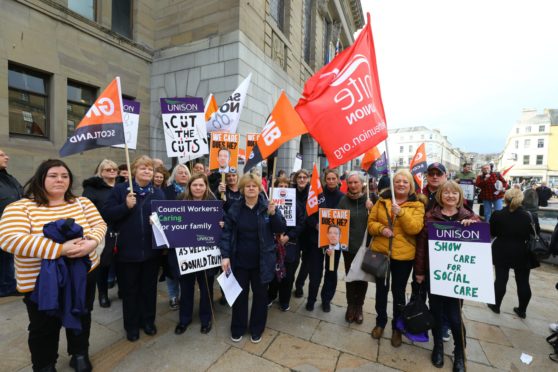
x=394, y=227
x=511, y=227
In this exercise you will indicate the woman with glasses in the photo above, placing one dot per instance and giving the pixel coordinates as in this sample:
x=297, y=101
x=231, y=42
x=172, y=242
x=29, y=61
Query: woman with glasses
x=97, y=189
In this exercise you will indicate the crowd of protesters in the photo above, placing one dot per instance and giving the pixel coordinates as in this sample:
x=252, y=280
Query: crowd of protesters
x=107, y=233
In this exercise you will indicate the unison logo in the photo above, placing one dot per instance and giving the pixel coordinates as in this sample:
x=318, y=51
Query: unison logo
x=452, y=232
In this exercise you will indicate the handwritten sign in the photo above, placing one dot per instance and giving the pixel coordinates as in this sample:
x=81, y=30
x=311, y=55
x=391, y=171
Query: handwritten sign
x=461, y=261
x=130, y=118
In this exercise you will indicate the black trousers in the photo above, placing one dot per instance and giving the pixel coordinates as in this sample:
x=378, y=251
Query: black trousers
x=522, y=283
x=285, y=286
x=44, y=330
x=138, y=285
x=304, y=268
x=447, y=309
x=356, y=291
x=107, y=259
x=317, y=259
x=400, y=272
x=205, y=280
x=249, y=278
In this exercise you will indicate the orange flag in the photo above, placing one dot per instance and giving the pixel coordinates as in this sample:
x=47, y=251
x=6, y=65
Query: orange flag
x=210, y=107
x=369, y=157
x=315, y=193
x=282, y=125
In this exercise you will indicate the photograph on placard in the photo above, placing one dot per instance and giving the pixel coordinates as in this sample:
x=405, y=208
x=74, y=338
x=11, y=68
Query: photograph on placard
x=223, y=153
x=334, y=229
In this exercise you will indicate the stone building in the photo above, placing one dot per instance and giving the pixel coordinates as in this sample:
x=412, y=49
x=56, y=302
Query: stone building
x=56, y=56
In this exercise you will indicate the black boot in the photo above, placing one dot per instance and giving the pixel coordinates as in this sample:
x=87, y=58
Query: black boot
x=458, y=360
x=49, y=368
x=104, y=301
x=438, y=353
x=81, y=363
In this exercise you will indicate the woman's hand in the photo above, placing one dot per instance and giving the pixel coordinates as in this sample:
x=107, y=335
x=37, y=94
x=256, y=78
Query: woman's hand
x=226, y=265
x=283, y=239
x=222, y=187
x=369, y=204
x=80, y=248
x=131, y=200
x=222, y=224
x=68, y=246
x=395, y=209
x=271, y=208
x=386, y=231
x=467, y=222
x=419, y=278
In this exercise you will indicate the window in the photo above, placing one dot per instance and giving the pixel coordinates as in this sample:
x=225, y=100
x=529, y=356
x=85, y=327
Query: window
x=401, y=160
x=307, y=29
x=539, y=159
x=528, y=129
x=422, y=136
x=401, y=149
x=527, y=143
x=541, y=128
x=516, y=144
x=122, y=17
x=525, y=159
x=411, y=148
x=28, y=102
x=540, y=143
x=516, y=130
x=80, y=98
x=84, y=8
x=277, y=12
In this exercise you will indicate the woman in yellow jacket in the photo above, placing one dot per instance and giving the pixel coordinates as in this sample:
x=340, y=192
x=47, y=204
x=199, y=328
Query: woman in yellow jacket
x=407, y=215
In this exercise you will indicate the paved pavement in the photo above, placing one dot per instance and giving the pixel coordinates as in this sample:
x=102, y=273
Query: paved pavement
x=300, y=340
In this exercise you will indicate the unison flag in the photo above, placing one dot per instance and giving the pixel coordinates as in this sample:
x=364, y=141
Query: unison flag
x=379, y=167
x=342, y=105
x=315, y=193
x=102, y=124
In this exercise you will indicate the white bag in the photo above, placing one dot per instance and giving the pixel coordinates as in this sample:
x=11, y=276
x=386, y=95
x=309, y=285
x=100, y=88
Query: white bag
x=355, y=272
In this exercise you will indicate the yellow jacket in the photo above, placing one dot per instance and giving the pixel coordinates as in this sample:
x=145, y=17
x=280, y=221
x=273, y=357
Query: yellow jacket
x=407, y=225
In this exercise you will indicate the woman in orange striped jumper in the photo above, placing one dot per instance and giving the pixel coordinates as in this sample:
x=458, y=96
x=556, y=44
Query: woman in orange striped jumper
x=48, y=197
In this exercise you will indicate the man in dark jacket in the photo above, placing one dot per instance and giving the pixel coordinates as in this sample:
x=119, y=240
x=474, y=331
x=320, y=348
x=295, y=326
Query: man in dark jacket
x=10, y=191
x=544, y=193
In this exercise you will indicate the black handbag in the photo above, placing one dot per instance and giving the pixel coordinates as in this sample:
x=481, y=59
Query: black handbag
x=377, y=263
x=417, y=318
x=536, y=246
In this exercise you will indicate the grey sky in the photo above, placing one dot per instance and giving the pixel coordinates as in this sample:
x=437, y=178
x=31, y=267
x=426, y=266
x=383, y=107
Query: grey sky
x=467, y=68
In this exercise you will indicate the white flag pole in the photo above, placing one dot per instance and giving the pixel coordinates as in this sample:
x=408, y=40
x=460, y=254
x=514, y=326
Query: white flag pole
x=390, y=173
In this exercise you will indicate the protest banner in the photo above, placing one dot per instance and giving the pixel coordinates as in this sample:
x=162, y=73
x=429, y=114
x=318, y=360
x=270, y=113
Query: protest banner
x=460, y=259
x=285, y=200
x=192, y=228
x=468, y=187
x=228, y=116
x=251, y=140
x=184, y=127
x=223, y=153
x=130, y=118
x=334, y=230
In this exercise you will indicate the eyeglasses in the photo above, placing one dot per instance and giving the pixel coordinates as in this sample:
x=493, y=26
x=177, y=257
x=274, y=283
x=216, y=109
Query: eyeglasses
x=110, y=169
x=437, y=174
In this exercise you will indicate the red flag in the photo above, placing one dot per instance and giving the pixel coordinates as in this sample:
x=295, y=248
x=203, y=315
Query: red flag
x=369, y=158
x=101, y=126
x=507, y=170
x=342, y=105
x=418, y=163
x=315, y=193
x=282, y=125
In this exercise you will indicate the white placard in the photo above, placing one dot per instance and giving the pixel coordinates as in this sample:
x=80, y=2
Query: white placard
x=131, y=110
x=285, y=200
x=297, y=165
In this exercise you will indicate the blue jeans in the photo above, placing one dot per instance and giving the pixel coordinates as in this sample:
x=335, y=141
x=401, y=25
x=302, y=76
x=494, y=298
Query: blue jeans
x=172, y=287
x=7, y=274
x=491, y=206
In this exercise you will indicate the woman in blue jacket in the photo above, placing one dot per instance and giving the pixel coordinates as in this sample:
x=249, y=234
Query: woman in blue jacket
x=248, y=248
x=138, y=262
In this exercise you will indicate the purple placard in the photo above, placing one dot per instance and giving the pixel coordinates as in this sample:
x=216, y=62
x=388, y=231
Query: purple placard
x=455, y=232
x=181, y=105
x=131, y=107
x=189, y=223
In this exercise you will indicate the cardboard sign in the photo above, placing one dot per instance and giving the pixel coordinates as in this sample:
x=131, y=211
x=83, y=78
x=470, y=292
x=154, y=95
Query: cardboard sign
x=461, y=261
x=329, y=234
x=251, y=140
x=192, y=228
x=285, y=200
x=468, y=187
x=184, y=126
x=223, y=154
x=131, y=123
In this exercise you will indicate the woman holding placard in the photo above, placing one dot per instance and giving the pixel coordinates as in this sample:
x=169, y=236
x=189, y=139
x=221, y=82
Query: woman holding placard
x=394, y=227
x=197, y=189
x=511, y=227
x=449, y=207
x=248, y=249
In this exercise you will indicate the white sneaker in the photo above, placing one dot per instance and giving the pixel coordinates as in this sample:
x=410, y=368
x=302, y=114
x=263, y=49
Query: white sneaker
x=237, y=339
x=553, y=327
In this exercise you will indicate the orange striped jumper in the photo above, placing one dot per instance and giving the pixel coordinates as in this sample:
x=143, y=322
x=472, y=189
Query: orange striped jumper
x=21, y=233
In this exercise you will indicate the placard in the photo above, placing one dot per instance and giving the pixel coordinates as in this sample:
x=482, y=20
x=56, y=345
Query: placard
x=184, y=127
x=223, y=155
x=334, y=228
x=251, y=140
x=460, y=259
x=130, y=119
x=468, y=187
x=285, y=200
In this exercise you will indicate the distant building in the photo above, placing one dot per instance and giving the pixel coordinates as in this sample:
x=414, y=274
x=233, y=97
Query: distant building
x=403, y=143
x=532, y=148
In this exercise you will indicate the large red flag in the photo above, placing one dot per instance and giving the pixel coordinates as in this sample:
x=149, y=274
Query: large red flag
x=315, y=193
x=101, y=126
x=342, y=105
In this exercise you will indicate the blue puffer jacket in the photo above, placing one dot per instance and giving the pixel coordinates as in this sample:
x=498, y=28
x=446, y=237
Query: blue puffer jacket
x=135, y=235
x=267, y=227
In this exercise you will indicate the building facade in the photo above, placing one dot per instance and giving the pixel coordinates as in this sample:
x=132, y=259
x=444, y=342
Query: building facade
x=57, y=55
x=532, y=148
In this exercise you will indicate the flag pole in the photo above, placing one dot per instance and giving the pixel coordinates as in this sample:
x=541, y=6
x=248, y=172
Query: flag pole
x=390, y=173
x=128, y=166
x=273, y=177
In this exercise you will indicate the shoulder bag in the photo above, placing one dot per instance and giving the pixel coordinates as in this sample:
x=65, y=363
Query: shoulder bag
x=535, y=245
x=377, y=263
